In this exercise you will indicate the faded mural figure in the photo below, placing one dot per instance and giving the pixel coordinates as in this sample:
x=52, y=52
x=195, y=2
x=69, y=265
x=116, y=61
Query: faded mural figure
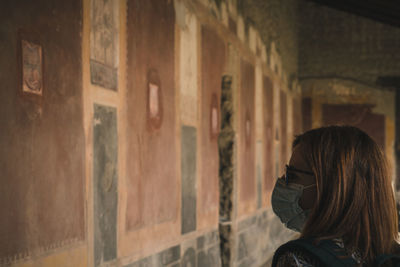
x=105, y=181
x=247, y=129
x=104, y=43
x=214, y=129
x=103, y=31
x=154, y=100
x=32, y=68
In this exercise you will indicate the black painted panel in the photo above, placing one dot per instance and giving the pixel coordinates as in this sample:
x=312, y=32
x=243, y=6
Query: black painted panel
x=105, y=182
x=163, y=258
x=189, y=150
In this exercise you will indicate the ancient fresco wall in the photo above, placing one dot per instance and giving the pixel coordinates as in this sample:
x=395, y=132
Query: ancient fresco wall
x=246, y=136
x=151, y=167
x=42, y=139
x=212, y=62
x=112, y=120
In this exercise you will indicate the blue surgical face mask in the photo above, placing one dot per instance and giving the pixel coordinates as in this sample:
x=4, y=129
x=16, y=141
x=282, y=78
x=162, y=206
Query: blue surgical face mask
x=285, y=204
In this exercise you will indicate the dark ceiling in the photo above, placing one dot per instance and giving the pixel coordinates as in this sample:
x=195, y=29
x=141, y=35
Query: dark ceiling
x=385, y=11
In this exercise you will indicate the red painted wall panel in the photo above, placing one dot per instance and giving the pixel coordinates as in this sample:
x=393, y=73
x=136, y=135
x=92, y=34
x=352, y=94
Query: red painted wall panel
x=246, y=132
x=42, y=148
x=212, y=67
x=151, y=164
x=268, y=107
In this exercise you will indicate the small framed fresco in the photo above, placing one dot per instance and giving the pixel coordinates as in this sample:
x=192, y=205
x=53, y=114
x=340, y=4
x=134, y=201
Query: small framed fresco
x=247, y=129
x=154, y=100
x=214, y=117
x=32, y=67
x=104, y=42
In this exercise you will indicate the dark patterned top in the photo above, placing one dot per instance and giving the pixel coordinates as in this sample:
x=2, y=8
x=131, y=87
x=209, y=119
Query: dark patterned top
x=301, y=259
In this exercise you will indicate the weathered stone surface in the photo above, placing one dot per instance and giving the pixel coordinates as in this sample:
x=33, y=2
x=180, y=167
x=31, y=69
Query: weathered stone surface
x=145, y=262
x=169, y=255
x=188, y=169
x=105, y=182
x=276, y=234
x=248, y=262
x=214, y=256
x=211, y=238
x=202, y=259
x=200, y=242
x=246, y=223
x=225, y=231
x=189, y=258
x=259, y=237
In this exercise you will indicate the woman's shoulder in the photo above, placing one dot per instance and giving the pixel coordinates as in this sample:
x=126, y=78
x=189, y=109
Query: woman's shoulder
x=296, y=259
x=310, y=252
x=296, y=252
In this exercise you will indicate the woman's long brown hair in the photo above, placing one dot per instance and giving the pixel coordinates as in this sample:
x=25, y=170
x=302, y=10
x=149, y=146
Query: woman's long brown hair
x=355, y=199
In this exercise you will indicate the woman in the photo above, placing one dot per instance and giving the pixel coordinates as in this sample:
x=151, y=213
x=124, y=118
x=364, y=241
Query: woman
x=337, y=192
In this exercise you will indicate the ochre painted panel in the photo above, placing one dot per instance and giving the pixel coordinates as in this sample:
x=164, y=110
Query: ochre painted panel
x=42, y=144
x=247, y=132
x=152, y=192
x=212, y=66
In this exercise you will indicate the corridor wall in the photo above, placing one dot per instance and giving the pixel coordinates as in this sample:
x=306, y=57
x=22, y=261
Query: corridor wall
x=112, y=114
